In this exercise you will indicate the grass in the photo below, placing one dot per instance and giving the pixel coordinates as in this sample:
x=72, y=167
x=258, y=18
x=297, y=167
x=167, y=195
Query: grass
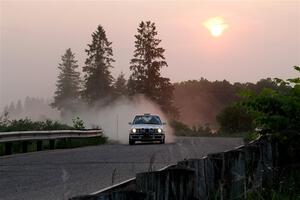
x=247, y=136
x=287, y=187
x=181, y=129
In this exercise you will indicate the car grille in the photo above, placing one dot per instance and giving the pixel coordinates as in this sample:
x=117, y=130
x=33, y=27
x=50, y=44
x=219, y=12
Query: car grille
x=147, y=130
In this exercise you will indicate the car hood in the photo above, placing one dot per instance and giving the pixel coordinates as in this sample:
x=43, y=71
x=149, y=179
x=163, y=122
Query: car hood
x=146, y=126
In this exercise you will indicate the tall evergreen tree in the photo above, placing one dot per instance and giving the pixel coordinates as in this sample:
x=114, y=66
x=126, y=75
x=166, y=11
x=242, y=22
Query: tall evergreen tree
x=19, y=108
x=98, y=79
x=121, y=85
x=68, y=84
x=11, y=109
x=5, y=110
x=147, y=61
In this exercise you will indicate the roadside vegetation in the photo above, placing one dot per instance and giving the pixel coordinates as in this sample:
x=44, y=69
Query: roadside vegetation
x=7, y=125
x=286, y=189
x=181, y=129
x=271, y=105
x=273, y=111
x=277, y=114
x=200, y=101
x=196, y=107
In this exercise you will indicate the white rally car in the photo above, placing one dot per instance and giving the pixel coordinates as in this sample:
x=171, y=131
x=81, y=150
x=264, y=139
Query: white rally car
x=145, y=128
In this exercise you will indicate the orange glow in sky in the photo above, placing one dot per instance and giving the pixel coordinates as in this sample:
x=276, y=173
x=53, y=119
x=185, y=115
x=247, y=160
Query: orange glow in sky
x=216, y=26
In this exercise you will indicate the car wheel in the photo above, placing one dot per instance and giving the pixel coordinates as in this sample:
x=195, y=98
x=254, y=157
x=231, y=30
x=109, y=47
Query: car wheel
x=131, y=142
x=162, y=141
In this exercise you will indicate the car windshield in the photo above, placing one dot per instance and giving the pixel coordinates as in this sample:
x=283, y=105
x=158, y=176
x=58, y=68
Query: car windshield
x=149, y=119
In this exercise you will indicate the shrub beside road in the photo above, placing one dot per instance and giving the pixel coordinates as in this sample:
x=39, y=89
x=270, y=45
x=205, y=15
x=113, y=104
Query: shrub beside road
x=30, y=145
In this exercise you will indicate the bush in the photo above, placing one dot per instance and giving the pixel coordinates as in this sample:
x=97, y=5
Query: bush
x=29, y=125
x=235, y=118
x=287, y=189
x=181, y=129
x=78, y=123
x=273, y=110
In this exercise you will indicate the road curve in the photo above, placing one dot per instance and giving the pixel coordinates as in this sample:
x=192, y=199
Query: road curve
x=60, y=174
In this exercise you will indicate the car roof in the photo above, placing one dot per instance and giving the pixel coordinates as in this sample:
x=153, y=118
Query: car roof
x=147, y=115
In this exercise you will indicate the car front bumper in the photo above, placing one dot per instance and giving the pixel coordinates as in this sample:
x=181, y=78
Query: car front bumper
x=146, y=137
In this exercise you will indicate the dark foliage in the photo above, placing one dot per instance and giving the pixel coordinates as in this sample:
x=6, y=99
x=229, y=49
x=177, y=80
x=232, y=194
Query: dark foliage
x=276, y=111
x=235, y=118
x=28, y=125
x=147, y=61
x=98, y=81
x=199, y=101
x=68, y=84
x=120, y=86
x=273, y=112
x=181, y=129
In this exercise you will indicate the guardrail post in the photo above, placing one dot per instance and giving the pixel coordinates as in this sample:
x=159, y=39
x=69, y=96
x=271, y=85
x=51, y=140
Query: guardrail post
x=24, y=146
x=39, y=145
x=52, y=144
x=8, y=148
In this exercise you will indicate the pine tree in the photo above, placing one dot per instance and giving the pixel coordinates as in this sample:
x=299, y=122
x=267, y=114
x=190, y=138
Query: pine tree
x=148, y=60
x=98, y=79
x=5, y=110
x=11, y=109
x=19, y=108
x=121, y=85
x=68, y=84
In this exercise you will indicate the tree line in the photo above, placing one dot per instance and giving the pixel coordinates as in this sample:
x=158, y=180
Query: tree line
x=220, y=107
x=201, y=104
x=204, y=100
x=31, y=107
x=202, y=108
x=99, y=88
x=273, y=110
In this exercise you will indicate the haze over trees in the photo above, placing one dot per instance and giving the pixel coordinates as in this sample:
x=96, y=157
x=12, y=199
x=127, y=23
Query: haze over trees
x=32, y=107
x=148, y=59
x=205, y=99
x=68, y=84
x=205, y=103
x=120, y=86
x=98, y=81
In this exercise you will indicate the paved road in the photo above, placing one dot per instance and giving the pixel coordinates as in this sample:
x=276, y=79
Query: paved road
x=61, y=174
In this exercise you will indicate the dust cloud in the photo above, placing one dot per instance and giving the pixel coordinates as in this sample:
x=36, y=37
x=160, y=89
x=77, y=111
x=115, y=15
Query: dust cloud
x=114, y=118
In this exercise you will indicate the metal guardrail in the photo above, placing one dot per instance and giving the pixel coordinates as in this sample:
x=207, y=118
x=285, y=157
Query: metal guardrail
x=27, y=138
x=44, y=135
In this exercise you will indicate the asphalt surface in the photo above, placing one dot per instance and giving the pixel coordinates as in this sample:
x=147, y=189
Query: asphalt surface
x=60, y=174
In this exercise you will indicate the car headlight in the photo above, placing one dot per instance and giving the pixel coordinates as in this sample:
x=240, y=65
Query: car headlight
x=159, y=130
x=133, y=130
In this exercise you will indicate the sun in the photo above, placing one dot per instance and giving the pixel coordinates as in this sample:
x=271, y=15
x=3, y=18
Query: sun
x=216, y=26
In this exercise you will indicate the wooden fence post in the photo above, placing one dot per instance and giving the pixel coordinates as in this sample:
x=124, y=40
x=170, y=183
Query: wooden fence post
x=8, y=148
x=39, y=145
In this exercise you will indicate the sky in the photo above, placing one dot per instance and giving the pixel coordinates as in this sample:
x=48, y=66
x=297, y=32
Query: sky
x=261, y=39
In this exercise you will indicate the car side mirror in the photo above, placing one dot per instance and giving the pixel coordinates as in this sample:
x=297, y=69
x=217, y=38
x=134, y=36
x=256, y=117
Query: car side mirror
x=164, y=123
x=130, y=123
